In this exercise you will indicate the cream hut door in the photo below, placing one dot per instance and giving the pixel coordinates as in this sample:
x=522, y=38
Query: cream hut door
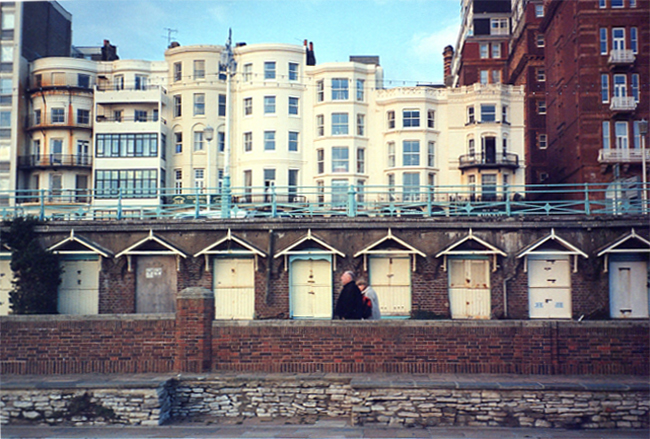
x=628, y=289
x=234, y=288
x=6, y=276
x=469, y=288
x=79, y=289
x=549, y=287
x=311, y=289
x=390, y=277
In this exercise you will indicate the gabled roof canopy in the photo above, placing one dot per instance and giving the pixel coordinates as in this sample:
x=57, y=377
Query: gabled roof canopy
x=77, y=245
x=151, y=245
x=230, y=245
x=389, y=245
x=304, y=246
x=552, y=245
x=471, y=245
x=627, y=244
x=630, y=243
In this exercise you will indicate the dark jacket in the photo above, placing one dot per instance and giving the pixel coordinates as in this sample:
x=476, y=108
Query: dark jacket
x=349, y=304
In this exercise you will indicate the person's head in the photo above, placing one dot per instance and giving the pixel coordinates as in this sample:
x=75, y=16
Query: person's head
x=347, y=277
x=362, y=284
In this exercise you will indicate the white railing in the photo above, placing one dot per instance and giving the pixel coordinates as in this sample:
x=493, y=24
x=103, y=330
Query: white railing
x=622, y=156
x=623, y=103
x=621, y=57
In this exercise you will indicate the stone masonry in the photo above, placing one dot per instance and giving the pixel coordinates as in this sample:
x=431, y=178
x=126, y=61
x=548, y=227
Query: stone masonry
x=363, y=399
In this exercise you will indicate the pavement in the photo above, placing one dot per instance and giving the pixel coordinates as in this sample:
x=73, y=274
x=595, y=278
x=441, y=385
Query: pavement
x=325, y=428
x=321, y=429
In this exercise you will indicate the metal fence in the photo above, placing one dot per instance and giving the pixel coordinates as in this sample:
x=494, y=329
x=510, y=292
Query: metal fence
x=314, y=201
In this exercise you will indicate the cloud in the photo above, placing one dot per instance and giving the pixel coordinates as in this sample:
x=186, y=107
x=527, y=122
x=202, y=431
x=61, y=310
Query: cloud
x=426, y=45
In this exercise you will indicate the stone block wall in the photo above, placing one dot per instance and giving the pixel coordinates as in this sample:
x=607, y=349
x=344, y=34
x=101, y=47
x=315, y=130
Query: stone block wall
x=305, y=399
x=91, y=406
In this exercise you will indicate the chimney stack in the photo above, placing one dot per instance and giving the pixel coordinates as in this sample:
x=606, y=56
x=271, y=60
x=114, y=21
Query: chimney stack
x=447, y=56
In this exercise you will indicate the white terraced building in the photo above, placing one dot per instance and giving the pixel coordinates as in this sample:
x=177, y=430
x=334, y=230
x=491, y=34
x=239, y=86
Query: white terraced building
x=128, y=128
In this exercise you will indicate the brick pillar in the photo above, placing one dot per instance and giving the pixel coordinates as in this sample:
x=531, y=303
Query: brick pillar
x=194, y=316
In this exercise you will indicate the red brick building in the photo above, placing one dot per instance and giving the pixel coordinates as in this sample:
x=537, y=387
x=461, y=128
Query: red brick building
x=597, y=61
x=526, y=67
x=482, y=49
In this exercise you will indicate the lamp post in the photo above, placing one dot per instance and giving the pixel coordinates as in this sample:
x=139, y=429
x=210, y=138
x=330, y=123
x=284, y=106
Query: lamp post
x=229, y=65
x=208, y=133
x=643, y=131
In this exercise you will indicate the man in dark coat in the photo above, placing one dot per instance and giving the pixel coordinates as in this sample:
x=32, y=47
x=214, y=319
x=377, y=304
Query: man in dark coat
x=349, y=305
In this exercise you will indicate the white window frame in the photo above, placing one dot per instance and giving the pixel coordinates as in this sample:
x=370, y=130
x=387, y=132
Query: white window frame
x=621, y=131
x=294, y=72
x=294, y=105
x=248, y=141
x=248, y=106
x=361, y=124
x=269, y=140
x=340, y=159
x=269, y=105
x=320, y=125
x=199, y=104
x=199, y=69
x=496, y=50
x=269, y=70
x=607, y=143
x=340, y=89
x=293, y=141
x=340, y=124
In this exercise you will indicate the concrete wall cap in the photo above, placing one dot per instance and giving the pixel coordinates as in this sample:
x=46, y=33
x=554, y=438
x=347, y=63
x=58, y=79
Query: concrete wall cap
x=196, y=293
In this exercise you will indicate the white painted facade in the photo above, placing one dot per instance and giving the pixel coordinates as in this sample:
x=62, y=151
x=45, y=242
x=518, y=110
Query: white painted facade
x=289, y=125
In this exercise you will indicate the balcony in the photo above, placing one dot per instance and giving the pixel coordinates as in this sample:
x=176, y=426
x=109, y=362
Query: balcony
x=622, y=155
x=621, y=58
x=60, y=121
x=55, y=161
x=623, y=104
x=140, y=95
x=507, y=160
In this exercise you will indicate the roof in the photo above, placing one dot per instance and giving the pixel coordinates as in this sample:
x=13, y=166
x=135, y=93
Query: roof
x=471, y=245
x=241, y=247
x=75, y=244
x=374, y=248
x=551, y=244
x=151, y=245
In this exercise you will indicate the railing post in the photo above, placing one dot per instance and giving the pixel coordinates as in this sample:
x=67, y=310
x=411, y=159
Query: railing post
x=506, y=194
x=587, y=205
x=274, y=202
x=429, y=202
x=226, y=197
x=41, y=215
x=352, y=201
x=197, y=203
x=119, y=204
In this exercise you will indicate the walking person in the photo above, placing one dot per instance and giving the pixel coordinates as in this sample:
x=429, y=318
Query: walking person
x=371, y=294
x=349, y=304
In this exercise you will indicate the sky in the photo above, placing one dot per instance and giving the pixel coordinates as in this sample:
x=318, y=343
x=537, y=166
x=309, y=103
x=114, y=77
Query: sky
x=408, y=35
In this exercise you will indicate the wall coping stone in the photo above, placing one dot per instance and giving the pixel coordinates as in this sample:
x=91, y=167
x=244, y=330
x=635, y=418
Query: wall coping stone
x=398, y=323
x=89, y=317
x=613, y=383
x=195, y=293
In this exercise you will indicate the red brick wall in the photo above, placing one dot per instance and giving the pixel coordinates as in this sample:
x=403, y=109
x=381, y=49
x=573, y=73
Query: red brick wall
x=434, y=347
x=158, y=343
x=65, y=345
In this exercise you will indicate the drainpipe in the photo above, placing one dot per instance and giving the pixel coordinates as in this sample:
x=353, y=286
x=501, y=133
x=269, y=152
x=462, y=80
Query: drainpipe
x=505, y=293
x=269, y=267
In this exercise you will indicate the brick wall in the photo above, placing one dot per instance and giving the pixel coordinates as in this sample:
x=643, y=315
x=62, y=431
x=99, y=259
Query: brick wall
x=193, y=342
x=88, y=344
x=433, y=347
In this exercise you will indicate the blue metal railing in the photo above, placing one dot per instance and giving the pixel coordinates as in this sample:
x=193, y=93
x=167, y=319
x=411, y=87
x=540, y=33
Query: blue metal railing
x=315, y=201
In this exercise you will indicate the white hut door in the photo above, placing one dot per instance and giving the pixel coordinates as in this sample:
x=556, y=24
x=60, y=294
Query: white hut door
x=391, y=278
x=311, y=289
x=549, y=287
x=628, y=289
x=469, y=288
x=6, y=276
x=234, y=288
x=79, y=289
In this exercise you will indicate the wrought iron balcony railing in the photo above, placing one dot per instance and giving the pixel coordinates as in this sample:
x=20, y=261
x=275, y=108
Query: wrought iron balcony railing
x=621, y=57
x=488, y=160
x=55, y=160
x=623, y=104
x=622, y=155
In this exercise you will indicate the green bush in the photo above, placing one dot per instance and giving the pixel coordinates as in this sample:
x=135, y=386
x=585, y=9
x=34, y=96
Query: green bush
x=37, y=273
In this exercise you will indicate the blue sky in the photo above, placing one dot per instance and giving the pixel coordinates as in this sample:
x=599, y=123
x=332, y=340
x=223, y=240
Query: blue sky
x=407, y=35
